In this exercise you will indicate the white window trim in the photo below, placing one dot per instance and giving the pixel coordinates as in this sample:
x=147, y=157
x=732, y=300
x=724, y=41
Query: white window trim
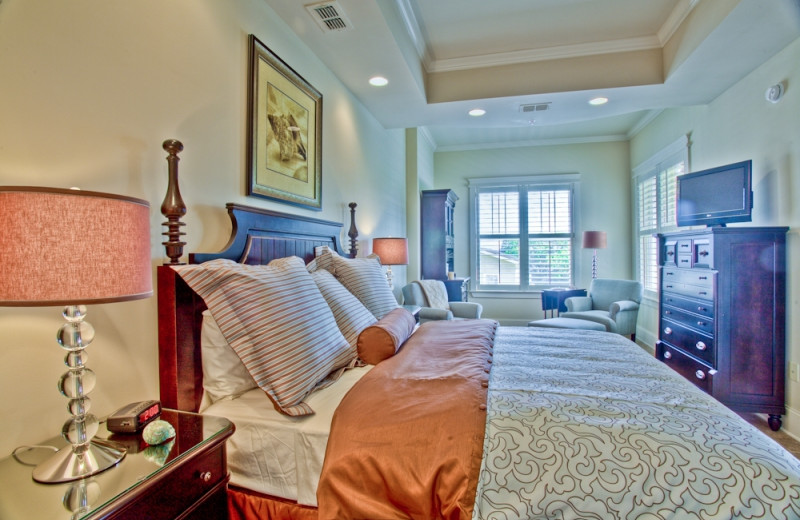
x=573, y=179
x=647, y=168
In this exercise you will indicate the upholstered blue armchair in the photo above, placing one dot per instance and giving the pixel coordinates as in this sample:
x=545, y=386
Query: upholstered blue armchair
x=612, y=303
x=431, y=297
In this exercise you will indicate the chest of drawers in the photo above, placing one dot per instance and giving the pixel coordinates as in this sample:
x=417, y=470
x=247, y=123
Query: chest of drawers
x=722, y=317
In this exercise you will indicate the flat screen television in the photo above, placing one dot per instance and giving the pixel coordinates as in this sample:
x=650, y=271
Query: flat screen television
x=717, y=196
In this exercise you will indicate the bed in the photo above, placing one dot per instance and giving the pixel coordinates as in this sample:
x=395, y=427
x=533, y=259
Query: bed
x=466, y=419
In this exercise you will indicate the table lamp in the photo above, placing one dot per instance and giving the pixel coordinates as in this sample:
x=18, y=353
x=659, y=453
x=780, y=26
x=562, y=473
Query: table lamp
x=391, y=251
x=594, y=240
x=72, y=248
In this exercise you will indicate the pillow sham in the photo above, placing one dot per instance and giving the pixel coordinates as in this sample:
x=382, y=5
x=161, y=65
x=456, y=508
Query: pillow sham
x=276, y=320
x=383, y=339
x=350, y=314
x=364, y=277
x=224, y=374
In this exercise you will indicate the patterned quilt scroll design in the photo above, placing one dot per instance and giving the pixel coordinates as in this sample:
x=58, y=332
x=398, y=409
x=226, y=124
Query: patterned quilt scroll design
x=586, y=425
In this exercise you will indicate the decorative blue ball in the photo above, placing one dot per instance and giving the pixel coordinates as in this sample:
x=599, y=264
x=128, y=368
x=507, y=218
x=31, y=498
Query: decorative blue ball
x=158, y=432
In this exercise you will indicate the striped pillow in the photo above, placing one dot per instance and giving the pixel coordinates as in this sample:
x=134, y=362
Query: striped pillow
x=276, y=320
x=364, y=277
x=351, y=315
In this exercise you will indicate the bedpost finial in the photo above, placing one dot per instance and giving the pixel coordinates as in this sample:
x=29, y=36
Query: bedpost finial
x=173, y=146
x=353, y=233
x=173, y=207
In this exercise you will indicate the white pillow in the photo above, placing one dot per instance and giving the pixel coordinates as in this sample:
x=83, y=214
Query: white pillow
x=224, y=374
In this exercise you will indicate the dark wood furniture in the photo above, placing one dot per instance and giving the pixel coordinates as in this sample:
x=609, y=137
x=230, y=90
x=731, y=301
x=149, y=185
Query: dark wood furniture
x=722, y=314
x=258, y=236
x=553, y=299
x=436, y=218
x=185, y=478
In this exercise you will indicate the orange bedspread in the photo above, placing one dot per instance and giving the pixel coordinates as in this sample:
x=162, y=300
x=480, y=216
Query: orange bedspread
x=407, y=440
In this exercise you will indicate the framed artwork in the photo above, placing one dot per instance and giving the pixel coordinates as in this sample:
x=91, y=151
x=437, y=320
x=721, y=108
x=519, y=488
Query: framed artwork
x=284, y=132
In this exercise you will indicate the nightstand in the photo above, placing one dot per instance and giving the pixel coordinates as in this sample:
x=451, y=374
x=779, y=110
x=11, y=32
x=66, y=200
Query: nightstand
x=187, y=479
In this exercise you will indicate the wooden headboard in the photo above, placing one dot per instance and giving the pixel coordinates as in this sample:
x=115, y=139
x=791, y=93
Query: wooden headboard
x=257, y=237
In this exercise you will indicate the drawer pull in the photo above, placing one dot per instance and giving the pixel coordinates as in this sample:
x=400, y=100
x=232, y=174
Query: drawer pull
x=702, y=309
x=667, y=355
x=667, y=312
x=670, y=253
x=667, y=330
x=701, y=324
x=703, y=253
x=701, y=346
x=702, y=277
x=702, y=293
x=205, y=476
x=700, y=375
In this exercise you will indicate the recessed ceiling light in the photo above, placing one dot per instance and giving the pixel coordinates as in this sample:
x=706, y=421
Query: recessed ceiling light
x=598, y=101
x=477, y=112
x=378, y=81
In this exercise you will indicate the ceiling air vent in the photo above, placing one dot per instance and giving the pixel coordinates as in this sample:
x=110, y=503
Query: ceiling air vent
x=329, y=16
x=534, y=107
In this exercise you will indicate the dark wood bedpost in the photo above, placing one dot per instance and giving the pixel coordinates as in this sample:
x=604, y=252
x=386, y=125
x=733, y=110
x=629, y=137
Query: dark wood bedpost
x=173, y=207
x=353, y=233
x=180, y=373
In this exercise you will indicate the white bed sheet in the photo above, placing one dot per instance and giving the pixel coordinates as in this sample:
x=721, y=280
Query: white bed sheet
x=276, y=454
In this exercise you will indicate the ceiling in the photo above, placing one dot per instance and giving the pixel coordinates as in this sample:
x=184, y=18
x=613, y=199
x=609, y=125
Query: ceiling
x=445, y=57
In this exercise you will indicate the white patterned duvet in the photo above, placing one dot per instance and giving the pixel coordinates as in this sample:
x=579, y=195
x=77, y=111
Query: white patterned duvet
x=586, y=424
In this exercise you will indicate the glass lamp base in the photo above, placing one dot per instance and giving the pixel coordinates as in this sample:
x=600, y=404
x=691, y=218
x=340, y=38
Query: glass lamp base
x=66, y=465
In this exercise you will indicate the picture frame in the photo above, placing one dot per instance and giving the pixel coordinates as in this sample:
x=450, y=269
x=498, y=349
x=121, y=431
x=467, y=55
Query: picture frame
x=284, y=150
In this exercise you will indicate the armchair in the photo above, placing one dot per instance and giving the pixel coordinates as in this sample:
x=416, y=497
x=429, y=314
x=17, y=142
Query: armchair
x=612, y=303
x=417, y=293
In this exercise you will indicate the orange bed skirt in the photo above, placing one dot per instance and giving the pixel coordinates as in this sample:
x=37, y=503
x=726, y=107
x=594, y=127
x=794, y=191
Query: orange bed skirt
x=249, y=505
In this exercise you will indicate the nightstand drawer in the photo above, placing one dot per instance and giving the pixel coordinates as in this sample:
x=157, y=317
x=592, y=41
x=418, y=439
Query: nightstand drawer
x=174, y=492
x=689, y=340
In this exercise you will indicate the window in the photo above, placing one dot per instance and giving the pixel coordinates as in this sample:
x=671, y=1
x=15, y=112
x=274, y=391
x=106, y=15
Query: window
x=655, y=202
x=522, y=232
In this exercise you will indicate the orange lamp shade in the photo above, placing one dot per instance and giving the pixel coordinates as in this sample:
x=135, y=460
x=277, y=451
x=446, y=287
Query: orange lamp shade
x=72, y=247
x=391, y=251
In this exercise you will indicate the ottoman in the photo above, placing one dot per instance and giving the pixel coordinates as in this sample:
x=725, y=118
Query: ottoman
x=567, y=323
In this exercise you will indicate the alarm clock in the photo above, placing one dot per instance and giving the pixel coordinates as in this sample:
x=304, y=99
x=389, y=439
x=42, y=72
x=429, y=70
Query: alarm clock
x=133, y=417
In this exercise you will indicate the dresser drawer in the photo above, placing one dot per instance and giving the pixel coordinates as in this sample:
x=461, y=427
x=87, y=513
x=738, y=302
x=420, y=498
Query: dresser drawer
x=695, y=371
x=698, y=277
x=703, y=308
x=690, y=340
x=701, y=323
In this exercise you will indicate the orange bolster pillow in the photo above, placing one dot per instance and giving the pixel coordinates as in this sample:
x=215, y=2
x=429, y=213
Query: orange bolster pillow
x=382, y=339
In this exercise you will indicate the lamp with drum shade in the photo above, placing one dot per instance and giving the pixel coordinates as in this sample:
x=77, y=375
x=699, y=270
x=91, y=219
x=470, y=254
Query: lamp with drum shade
x=594, y=240
x=73, y=248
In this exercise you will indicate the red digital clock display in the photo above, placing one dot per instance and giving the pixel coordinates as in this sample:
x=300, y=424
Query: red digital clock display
x=149, y=413
x=133, y=417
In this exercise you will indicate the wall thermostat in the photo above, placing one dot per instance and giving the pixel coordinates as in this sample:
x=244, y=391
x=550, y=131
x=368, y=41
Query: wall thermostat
x=133, y=417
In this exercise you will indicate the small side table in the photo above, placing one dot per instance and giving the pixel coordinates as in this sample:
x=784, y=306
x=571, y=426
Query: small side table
x=184, y=478
x=457, y=289
x=553, y=299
